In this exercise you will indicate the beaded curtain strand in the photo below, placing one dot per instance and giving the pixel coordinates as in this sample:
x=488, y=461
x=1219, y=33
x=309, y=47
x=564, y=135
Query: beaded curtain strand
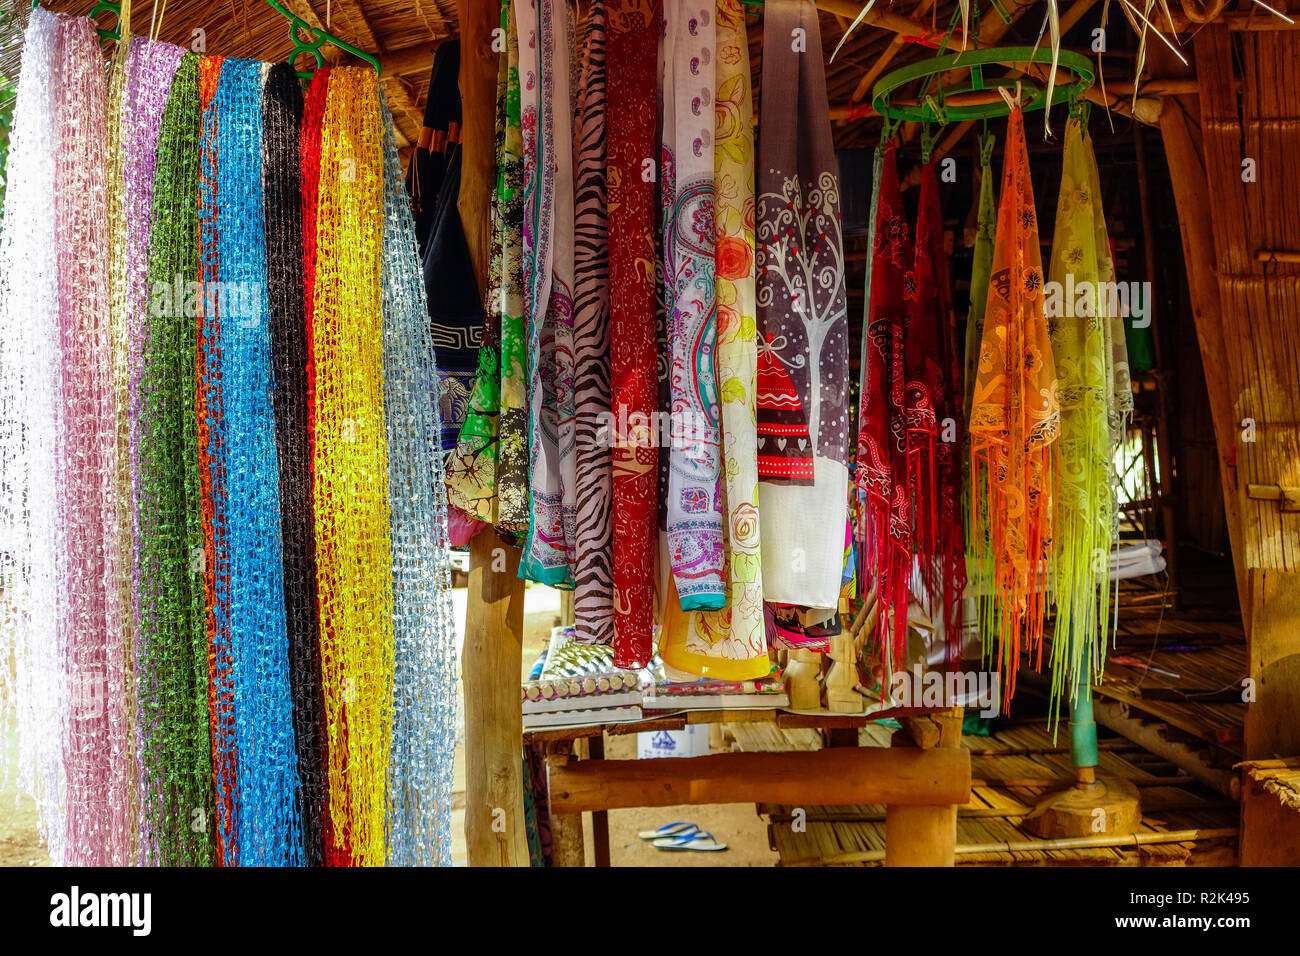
x=268, y=780
x=121, y=68
x=338, y=851
x=176, y=752
x=424, y=638
x=29, y=376
x=354, y=583
x=211, y=435
x=282, y=207
x=97, y=805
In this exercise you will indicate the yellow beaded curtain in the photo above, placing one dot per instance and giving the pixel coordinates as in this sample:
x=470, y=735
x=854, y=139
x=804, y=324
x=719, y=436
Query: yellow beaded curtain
x=354, y=583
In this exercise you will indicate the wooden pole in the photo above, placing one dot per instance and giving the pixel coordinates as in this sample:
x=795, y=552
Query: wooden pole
x=1163, y=377
x=1192, y=199
x=492, y=659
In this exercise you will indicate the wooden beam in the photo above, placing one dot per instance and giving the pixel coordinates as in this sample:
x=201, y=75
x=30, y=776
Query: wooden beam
x=492, y=660
x=843, y=775
x=895, y=46
x=904, y=26
x=415, y=60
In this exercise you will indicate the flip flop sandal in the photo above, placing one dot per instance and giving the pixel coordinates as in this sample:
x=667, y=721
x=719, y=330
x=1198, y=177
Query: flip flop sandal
x=669, y=830
x=699, y=840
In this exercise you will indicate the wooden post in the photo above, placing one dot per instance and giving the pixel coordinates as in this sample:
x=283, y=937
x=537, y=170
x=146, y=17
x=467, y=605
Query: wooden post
x=924, y=835
x=494, y=622
x=568, y=846
x=1192, y=199
x=1163, y=378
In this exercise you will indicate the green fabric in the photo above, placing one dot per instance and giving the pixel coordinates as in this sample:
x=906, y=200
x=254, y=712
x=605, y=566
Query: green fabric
x=1081, y=329
x=508, y=303
x=979, y=559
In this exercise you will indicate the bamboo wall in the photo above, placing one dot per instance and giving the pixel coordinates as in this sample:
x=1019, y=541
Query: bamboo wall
x=1248, y=314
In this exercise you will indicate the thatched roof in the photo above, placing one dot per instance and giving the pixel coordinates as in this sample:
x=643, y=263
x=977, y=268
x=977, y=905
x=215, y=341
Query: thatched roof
x=404, y=33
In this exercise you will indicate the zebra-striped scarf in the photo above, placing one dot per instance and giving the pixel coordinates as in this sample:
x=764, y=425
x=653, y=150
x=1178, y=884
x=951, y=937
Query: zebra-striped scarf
x=593, y=604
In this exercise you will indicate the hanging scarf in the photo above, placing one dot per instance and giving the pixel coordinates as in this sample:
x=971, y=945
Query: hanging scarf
x=350, y=466
x=1079, y=323
x=442, y=120
x=932, y=393
x=686, y=169
x=803, y=379
x=882, y=460
x=424, y=641
x=455, y=309
x=978, y=556
x=633, y=44
x=731, y=644
x=472, y=464
x=29, y=377
x=1015, y=421
x=507, y=302
x=877, y=170
x=858, y=499
x=548, y=257
x=176, y=757
x=593, y=599
x=982, y=259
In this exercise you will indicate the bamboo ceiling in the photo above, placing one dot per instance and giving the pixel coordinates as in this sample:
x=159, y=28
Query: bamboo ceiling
x=404, y=33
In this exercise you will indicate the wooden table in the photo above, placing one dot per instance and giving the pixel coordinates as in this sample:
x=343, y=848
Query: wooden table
x=921, y=778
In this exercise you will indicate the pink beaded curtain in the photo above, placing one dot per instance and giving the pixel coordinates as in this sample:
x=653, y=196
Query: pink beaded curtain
x=98, y=802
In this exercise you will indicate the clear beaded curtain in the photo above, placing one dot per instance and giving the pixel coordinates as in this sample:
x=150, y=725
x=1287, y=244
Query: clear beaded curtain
x=29, y=375
x=424, y=679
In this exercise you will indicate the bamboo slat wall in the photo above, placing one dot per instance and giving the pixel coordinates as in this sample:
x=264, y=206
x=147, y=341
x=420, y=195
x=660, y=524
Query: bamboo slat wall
x=1250, y=135
x=1259, y=301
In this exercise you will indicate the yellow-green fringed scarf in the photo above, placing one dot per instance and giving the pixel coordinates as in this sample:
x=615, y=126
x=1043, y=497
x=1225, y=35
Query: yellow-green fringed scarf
x=1082, y=335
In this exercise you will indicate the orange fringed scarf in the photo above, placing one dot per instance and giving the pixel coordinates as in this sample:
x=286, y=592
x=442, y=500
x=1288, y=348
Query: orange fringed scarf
x=1015, y=420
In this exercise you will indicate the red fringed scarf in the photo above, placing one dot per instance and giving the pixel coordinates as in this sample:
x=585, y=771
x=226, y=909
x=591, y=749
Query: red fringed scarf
x=909, y=450
x=882, y=465
x=633, y=49
x=934, y=445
